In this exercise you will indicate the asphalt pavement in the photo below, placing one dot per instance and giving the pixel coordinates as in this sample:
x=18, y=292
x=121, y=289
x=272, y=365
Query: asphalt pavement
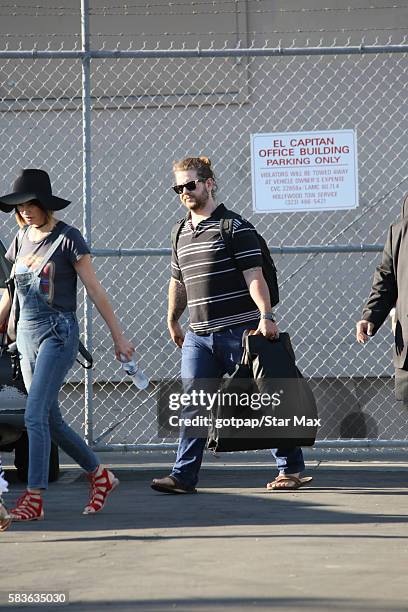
x=339, y=544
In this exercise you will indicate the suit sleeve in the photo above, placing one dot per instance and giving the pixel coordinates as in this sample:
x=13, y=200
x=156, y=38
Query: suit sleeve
x=384, y=291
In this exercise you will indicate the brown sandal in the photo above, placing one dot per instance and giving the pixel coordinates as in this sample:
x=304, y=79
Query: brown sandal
x=169, y=484
x=295, y=483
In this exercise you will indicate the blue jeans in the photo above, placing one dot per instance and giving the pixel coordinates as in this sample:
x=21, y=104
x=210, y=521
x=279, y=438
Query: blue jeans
x=47, y=341
x=211, y=356
x=48, y=349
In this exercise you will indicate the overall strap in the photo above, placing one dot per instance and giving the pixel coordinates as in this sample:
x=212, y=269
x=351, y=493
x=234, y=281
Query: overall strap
x=20, y=236
x=54, y=246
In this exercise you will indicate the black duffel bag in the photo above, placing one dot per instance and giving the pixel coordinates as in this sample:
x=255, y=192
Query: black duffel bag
x=267, y=367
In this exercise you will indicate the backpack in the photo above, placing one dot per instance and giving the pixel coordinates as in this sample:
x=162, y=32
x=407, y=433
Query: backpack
x=226, y=229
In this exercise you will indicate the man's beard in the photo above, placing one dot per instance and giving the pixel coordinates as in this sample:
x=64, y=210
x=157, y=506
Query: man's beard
x=198, y=203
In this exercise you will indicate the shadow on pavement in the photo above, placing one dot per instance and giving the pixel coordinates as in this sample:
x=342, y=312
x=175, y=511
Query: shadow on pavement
x=227, y=497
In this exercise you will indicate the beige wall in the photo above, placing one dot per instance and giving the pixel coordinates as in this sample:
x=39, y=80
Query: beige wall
x=155, y=25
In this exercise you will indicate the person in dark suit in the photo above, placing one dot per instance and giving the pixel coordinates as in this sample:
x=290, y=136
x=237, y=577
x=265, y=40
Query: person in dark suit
x=390, y=290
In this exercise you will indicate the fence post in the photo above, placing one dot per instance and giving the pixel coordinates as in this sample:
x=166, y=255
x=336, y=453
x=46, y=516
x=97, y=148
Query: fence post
x=87, y=205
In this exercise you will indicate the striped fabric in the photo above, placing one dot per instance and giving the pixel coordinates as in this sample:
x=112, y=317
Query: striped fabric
x=217, y=294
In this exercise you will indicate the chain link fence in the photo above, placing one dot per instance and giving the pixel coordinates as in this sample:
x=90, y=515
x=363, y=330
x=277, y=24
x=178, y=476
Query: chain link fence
x=150, y=107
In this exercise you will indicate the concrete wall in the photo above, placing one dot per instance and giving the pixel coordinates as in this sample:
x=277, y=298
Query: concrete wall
x=149, y=112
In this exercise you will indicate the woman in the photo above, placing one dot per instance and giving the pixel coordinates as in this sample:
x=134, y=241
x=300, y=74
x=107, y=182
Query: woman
x=48, y=255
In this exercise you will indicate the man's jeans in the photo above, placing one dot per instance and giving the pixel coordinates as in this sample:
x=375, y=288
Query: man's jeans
x=210, y=357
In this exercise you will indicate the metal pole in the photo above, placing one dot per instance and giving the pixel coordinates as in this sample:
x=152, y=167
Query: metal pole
x=351, y=443
x=280, y=250
x=87, y=204
x=198, y=52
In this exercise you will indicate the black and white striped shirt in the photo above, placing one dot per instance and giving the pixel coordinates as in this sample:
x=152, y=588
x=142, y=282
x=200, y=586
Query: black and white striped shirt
x=217, y=294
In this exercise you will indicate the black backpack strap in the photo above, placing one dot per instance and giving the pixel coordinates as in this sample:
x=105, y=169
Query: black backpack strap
x=175, y=233
x=268, y=266
x=226, y=230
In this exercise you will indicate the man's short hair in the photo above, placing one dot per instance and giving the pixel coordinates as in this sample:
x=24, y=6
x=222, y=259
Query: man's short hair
x=202, y=165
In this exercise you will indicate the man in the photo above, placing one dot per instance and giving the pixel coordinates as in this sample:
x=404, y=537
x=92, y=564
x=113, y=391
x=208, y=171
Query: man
x=390, y=290
x=223, y=301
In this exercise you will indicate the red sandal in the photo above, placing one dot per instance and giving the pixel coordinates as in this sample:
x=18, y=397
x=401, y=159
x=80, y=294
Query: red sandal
x=102, y=483
x=29, y=507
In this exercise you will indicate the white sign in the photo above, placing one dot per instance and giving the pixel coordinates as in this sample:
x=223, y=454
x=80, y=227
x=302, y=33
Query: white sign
x=298, y=171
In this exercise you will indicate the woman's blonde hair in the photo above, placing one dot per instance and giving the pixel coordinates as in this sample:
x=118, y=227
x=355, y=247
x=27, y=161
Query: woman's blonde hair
x=20, y=220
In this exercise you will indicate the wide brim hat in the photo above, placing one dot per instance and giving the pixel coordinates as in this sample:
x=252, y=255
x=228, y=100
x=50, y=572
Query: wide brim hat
x=32, y=184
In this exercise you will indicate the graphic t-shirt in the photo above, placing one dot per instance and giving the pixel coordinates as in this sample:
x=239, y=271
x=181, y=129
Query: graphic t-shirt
x=58, y=281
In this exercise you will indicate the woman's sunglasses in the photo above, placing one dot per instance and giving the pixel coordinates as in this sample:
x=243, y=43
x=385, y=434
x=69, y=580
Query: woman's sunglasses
x=190, y=186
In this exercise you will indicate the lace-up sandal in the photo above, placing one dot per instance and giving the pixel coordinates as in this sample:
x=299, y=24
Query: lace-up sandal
x=29, y=507
x=102, y=483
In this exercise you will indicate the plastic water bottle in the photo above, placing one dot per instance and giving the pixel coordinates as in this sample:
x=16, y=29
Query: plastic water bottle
x=132, y=369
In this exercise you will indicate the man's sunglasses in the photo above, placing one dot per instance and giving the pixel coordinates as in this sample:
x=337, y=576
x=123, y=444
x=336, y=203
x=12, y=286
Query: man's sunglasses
x=190, y=186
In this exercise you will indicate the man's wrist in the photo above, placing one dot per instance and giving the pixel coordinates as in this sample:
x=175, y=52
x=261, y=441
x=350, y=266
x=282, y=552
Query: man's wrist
x=269, y=315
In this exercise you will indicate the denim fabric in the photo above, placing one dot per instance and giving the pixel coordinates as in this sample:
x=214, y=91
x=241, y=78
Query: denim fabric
x=47, y=341
x=209, y=357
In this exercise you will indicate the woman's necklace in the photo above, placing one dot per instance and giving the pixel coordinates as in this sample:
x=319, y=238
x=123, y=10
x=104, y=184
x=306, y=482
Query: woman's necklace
x=42, y=235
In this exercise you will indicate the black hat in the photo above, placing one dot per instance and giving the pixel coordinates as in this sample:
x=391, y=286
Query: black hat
x=32, y=185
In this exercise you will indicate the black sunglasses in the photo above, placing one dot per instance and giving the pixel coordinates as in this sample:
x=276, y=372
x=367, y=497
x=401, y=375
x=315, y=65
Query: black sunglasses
x=190, y=186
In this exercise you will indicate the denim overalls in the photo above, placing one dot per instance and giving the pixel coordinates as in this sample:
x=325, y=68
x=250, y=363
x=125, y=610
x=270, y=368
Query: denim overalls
x=47, y=341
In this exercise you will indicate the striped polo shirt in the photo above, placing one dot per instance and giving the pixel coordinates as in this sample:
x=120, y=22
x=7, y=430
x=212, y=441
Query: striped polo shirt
x=217, y=294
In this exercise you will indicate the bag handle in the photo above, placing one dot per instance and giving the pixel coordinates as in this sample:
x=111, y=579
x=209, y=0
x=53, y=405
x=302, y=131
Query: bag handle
x=246, y=356
x=86, y=355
